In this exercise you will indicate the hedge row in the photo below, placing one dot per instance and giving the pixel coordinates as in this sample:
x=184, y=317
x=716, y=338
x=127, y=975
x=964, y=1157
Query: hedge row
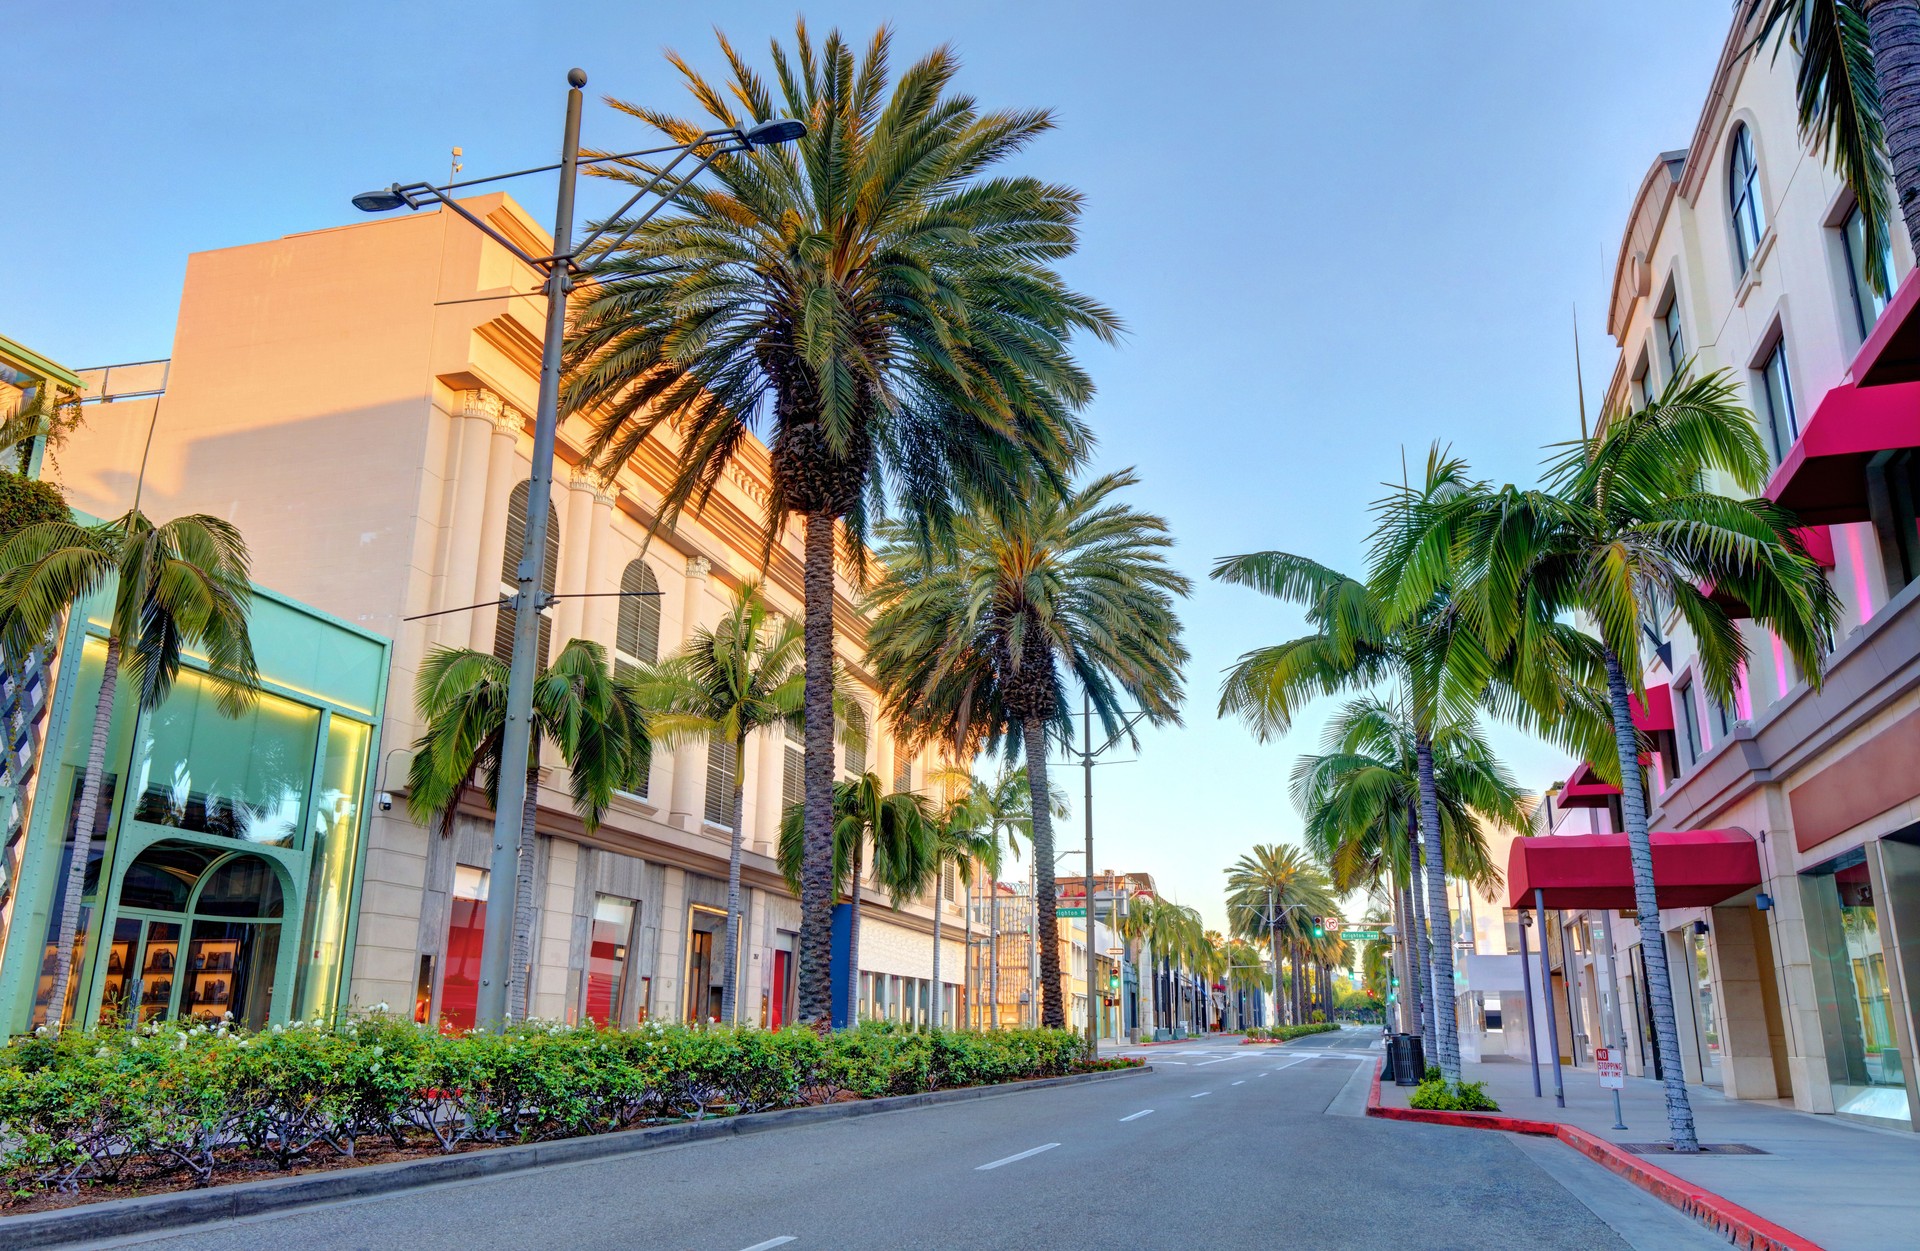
x=185, y=1099
x=1283, y=1032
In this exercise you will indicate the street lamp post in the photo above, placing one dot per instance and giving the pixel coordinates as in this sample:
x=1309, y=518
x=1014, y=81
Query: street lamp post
x=560, y=269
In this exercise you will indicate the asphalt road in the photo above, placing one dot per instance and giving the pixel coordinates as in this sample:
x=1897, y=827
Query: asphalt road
x=1221, y=1146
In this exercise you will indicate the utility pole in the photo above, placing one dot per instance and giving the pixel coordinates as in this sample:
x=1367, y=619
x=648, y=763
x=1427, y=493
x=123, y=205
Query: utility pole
x=1086, y=757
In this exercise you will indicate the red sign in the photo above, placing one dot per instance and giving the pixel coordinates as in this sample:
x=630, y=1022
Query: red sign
x=1612, y=1066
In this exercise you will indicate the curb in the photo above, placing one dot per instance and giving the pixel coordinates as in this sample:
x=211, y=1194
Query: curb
x=115, y=1218
x=1743, y=1228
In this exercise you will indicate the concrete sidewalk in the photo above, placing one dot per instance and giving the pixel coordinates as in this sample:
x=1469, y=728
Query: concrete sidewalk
x=1845, y=1186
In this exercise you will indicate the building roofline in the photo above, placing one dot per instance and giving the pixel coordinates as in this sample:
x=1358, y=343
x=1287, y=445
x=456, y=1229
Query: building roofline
x=26, y=360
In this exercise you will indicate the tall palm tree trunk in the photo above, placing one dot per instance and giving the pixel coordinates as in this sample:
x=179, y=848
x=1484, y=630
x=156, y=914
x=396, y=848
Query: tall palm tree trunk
x=1893, y=31
x=1053, y=1012
x=1446, y=1026
x=815, y=991
x=730, y=949
x=1653, y=941
x=1412, y=1018
x=1422, y=950
x=88, y=812
x=523, y=911
x=936, y=1018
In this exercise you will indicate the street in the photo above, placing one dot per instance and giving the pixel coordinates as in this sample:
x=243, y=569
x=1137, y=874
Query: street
x=1221, y=1145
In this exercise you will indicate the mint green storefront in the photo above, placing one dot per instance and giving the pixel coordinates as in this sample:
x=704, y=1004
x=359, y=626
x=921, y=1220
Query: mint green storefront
x=226, y=868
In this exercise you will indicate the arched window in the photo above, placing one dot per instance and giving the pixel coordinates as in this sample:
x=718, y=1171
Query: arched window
x=636, y=639
x=509, y=566
x=1743, y=196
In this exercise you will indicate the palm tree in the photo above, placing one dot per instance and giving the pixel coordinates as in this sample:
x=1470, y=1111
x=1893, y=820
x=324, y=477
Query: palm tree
x=731, y=680
x=882, y=308
x=1009, y=818
x=969, y=642
x=592, y=718
x=1246, y=973
x=1623, y=527
x=1365, y=635
x=899, y=828
x=1360, y=798
x=1272, y=890
x=1857, y=99
x=179, y=584
x=963, y=836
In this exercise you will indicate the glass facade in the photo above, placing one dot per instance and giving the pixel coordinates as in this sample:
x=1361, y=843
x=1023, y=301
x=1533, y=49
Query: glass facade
x=609, y=942
x=1845, y=938
x=466, y=924
x=334, y=833
x=244, y=777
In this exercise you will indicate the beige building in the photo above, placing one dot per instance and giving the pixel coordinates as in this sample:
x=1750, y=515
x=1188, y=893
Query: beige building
x=1743, y=251
x=358, y=401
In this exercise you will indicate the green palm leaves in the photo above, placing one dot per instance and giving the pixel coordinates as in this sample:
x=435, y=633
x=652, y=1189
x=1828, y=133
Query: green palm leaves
x=875, y=300
x=973, y=642
x=179, y=584
x=592, y=718
x=731, y=680
x=874, y=290
x=1838, y=100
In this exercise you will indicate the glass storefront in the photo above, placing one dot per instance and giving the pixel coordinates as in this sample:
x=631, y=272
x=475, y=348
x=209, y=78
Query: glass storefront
x=609, y=943
x=466, y=930
x=1706, y=1020
x=225, y=853
x=706, y=934
x=1864, y=1064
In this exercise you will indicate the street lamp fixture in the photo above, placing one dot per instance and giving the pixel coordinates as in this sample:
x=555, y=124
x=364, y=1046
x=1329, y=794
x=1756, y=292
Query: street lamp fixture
x=559, y=269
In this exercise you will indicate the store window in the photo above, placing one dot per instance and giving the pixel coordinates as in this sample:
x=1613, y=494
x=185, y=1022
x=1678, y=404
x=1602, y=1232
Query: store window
x=229, y=908
x=1844, y=934
x=706, y=936
x=466, y=931
x=243, y=777
x=1706, y=1021
x=335, y=834
x=610, y=943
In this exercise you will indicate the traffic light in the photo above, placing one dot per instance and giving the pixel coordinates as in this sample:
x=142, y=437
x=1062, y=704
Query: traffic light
x=1319, y=927
x=1113, y=981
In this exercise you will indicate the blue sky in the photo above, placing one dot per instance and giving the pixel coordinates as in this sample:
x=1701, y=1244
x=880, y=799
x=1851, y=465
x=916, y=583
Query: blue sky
x=1332, y=229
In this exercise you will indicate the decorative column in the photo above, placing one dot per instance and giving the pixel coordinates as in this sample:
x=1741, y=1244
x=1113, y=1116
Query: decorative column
x=473, y=430
x=687, y=807
x=769, y=782
x=597, y=616
x=503, y=472
x=576, y=558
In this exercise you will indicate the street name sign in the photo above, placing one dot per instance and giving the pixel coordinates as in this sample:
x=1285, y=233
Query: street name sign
x=1361, y=936
x=1069, y=912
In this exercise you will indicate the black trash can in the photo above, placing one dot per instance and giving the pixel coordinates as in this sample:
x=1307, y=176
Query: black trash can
x=1409, y=1060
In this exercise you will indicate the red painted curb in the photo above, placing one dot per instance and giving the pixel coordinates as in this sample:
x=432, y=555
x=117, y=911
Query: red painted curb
x=1743, y=1228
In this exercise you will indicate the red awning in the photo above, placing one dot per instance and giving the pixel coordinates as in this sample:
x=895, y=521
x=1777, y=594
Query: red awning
x=1891, y=353
x=1818, y=540
x=1691, y=869
x=1655, y=712
x=1823, y=478
x=1585, y=789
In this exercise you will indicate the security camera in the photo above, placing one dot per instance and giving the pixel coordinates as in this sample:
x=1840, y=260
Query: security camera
x=386, y=801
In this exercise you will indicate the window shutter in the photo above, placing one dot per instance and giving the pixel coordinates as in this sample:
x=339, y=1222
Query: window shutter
x=509, y=565
x=856, y=752
x=902, y=770
x=637, y=636
x=720, y=764
x=793, y=778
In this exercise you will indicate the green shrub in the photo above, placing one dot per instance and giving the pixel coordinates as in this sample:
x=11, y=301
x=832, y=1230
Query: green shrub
x=1436, y=1095
x=1432, y=1074
x=27, y=501
x=181, y=1098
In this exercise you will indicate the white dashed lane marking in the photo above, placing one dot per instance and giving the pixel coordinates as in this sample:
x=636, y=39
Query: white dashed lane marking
x=1137, y=1115
x=981, y=1168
